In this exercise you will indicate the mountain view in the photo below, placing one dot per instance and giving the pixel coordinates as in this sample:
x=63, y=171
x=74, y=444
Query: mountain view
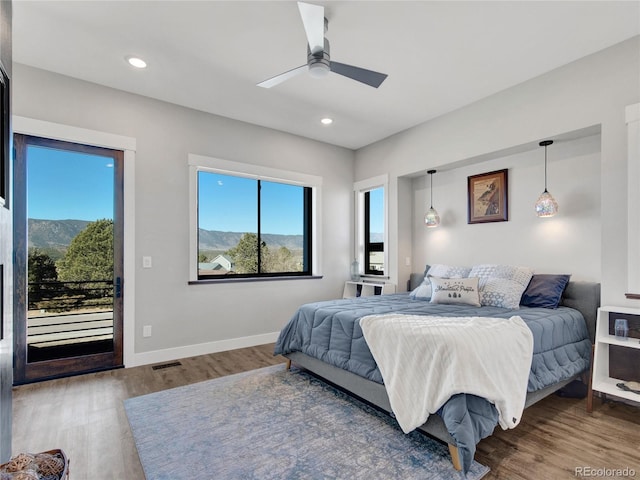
x=215, y=240
x=56, y=235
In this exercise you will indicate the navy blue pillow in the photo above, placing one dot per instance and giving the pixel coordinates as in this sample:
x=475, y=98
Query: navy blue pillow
x=544, y=290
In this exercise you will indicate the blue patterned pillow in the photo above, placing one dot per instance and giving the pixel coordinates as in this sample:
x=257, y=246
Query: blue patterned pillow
x=501, y=285
x=422, y=291
x=544, y=290
x=448, y=271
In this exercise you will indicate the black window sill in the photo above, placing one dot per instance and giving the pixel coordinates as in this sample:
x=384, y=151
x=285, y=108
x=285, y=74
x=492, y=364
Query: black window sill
x=205, y=281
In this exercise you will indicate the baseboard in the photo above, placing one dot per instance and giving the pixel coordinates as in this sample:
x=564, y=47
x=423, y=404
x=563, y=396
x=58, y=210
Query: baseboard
x=168, y=354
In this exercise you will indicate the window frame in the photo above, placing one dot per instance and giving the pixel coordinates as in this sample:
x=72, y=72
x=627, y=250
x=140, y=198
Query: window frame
x=370, y=246
x=200, y=163
x=362, y=244
x=6, y=139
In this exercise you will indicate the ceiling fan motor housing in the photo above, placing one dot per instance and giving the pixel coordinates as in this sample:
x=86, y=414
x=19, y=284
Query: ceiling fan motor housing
x=319, y=62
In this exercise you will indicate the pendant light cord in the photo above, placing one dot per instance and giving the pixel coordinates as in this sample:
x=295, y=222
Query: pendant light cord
x=431, y=172
x=545, y=144
x=431, y=189
x=545, y=168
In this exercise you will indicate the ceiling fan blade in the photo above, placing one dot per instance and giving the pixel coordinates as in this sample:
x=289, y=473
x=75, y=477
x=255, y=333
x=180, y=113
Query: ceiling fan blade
x=313, y=21
x=371, y=78
x=273, y=81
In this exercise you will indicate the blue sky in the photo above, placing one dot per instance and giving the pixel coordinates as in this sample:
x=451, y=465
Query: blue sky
x=228, y=204
x=65, y=185
x=376, y=209
x=69, y=185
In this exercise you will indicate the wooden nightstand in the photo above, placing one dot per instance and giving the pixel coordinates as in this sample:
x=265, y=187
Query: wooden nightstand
x=615, y=360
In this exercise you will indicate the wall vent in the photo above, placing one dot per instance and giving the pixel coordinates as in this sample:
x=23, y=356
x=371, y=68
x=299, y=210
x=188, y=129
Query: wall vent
x=166, y=365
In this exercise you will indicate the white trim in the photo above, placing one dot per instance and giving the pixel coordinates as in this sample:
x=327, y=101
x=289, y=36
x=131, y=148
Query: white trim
x=632, y=114
x=68, y=133
x=129, y=258
x=253, y=171
x=359, y=189
x=168, y=354
x=201, y=163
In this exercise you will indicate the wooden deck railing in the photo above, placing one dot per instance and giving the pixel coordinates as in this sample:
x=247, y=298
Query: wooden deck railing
x=63, y=313
x=57, y=296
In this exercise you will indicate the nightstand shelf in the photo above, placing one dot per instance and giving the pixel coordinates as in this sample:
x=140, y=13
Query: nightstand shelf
x=366, y=289
x=615, y=360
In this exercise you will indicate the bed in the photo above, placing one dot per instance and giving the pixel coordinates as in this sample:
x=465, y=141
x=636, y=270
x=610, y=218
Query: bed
x=325, y=338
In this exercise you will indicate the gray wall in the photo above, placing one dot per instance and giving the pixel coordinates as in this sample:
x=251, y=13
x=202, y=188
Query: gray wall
x=550, y=245
x=185, y=315
x=591, y=92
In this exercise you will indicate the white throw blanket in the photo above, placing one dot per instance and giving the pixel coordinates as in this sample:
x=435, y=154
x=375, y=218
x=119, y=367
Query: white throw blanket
x=425, y=360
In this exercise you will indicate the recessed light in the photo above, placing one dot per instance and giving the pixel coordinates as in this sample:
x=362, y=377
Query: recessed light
x=136, y=62
x=326, y=121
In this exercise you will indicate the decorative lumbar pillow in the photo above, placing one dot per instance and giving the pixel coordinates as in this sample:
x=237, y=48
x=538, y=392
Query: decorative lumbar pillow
x=501, y=285
x=423, y=291
x=448, y=271
x=461, y=291
x=544, y=290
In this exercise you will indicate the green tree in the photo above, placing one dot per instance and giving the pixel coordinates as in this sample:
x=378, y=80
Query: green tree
x=202, y=258
x=90, y=254
x=41, y=267
x=245, y=254
x=282, y=260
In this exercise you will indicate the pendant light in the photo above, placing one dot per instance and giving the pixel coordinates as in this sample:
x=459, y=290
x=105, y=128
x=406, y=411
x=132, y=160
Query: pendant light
x=546, y=206
x=431, y=219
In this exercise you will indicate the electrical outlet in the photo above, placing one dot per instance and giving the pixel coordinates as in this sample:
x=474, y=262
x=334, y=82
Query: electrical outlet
x=146, y=262
x=146, y=331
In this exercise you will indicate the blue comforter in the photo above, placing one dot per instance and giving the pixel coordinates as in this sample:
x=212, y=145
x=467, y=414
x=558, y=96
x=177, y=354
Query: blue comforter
x=330, y=331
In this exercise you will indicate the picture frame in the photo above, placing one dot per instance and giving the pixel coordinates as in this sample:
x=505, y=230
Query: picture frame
x=488, y=197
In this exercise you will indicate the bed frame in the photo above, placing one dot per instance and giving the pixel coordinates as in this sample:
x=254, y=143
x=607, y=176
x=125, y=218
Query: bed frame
x=582, y=296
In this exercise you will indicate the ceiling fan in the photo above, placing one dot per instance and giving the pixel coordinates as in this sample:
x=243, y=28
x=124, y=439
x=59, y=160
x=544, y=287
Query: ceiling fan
x=319, y=61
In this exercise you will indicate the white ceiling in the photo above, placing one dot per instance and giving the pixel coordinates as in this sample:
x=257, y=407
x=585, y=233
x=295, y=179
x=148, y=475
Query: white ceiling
x=209, y=55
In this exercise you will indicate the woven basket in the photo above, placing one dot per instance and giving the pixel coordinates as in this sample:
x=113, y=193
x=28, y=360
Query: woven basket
x=64, y=475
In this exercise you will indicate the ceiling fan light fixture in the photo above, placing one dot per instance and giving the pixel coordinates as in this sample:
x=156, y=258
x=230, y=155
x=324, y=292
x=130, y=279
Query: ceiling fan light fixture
x=319, y=70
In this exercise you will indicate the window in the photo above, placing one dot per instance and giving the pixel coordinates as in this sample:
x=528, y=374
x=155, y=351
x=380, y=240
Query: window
x=374, y=231
x=252, y=225
x=371, y=230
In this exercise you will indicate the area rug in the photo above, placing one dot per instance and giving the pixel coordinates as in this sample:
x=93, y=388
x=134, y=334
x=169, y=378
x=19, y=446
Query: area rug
x=277, y=424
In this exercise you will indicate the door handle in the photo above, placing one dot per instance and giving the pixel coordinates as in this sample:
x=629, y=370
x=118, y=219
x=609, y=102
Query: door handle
x=118, y=287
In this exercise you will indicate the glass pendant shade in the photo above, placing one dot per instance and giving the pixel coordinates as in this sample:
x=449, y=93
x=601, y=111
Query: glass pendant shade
x=546, y=206
x=432, y=219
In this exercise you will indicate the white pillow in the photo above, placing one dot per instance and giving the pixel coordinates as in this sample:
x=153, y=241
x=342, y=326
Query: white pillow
x=460, y=291
x=448, y=271
x=423, y=290
x=438, y=270
x=501, y=285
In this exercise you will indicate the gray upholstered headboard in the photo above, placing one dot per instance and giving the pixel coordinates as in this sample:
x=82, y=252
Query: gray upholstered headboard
x=583, y=296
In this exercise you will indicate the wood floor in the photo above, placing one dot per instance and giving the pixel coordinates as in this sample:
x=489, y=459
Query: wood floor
x=85, y=417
